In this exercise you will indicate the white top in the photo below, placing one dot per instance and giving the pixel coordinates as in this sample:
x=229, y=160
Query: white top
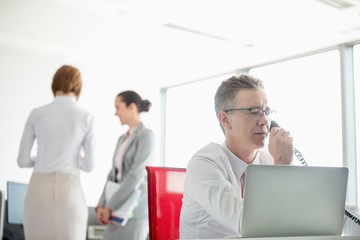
x=212, y=202
x=63, y=131
x=120, y=151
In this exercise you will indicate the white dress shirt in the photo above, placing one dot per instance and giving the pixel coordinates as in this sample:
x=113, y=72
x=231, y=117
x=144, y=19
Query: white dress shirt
x=65, y=138
x=212, y=203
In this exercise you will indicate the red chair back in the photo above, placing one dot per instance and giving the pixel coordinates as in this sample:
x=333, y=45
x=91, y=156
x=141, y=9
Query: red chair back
x=165, y=192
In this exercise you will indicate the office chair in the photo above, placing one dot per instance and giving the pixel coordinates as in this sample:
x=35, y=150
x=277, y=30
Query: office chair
x=165, y=192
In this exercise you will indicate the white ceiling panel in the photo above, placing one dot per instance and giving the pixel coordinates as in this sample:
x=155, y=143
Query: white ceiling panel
x=192, y=38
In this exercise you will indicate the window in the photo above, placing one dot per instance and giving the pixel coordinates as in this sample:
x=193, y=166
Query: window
x=357, y=112
x=191, y=121
x=306, y=92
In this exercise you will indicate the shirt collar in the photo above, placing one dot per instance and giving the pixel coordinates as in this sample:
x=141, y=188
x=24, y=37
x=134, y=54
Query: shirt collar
x=131, y=131
x=237, y=164
x=69, y=99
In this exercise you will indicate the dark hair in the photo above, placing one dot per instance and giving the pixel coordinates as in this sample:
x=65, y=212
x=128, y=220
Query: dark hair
x=67, y=79
x=129, y=97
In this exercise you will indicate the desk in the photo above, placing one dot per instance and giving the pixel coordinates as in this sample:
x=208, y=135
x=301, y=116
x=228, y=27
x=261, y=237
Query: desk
x=16, y=231
x=300, y=238
x=94, y=230
x=296, y=238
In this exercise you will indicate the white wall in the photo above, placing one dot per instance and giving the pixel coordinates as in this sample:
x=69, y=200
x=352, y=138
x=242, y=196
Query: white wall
x=25, y=83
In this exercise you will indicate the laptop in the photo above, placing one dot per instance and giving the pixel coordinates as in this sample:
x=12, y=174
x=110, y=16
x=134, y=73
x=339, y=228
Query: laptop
x=283, y=200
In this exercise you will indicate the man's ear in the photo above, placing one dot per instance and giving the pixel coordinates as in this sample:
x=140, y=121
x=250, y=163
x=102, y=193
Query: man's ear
x=224, y=120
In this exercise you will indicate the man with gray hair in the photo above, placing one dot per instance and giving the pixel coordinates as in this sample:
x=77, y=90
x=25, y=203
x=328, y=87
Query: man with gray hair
x=214, y=184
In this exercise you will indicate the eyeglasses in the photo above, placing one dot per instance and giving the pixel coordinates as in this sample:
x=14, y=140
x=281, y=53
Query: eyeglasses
x=255, y=112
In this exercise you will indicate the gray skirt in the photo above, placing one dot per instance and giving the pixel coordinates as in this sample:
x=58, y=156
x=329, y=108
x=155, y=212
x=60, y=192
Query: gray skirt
x=55, y=208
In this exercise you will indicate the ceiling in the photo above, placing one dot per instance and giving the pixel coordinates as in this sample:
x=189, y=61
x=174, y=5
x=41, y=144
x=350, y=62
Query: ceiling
x=176, y=41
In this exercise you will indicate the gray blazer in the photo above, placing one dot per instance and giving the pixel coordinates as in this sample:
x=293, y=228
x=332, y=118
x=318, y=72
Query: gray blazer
x=139, y=153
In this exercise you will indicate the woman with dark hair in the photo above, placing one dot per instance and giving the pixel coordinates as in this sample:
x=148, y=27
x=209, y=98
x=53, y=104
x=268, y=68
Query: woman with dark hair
x=55, y=206
x=134, y=150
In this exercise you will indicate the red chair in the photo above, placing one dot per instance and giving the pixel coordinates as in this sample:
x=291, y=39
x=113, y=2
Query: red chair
x=165, y=192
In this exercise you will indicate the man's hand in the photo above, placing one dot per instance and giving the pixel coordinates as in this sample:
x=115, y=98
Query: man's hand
x=281, y=145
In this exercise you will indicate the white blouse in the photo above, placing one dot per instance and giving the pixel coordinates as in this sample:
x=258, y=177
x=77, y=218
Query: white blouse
x=65, y=138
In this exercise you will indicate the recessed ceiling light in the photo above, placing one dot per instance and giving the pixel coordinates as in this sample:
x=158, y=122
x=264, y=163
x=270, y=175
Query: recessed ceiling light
x=339, y=4
x=249, y=45
x=193, y=31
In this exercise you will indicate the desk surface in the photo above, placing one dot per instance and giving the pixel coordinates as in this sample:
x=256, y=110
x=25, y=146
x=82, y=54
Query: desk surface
x=303, y=238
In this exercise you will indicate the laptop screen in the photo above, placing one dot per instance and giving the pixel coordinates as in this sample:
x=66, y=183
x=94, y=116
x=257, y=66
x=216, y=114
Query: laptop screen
x=282, y=200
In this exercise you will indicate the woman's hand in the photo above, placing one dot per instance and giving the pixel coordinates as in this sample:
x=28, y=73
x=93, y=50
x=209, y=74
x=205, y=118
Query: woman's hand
x=103, y=215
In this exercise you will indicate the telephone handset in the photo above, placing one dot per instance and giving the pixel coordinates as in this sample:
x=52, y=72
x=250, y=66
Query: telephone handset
x=296, y=152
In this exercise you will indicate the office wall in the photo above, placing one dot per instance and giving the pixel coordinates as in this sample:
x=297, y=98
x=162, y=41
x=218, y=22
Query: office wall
x=25, y=83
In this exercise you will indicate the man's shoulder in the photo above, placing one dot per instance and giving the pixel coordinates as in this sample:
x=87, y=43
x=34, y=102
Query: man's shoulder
x=211, y=149
x=212, y=152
